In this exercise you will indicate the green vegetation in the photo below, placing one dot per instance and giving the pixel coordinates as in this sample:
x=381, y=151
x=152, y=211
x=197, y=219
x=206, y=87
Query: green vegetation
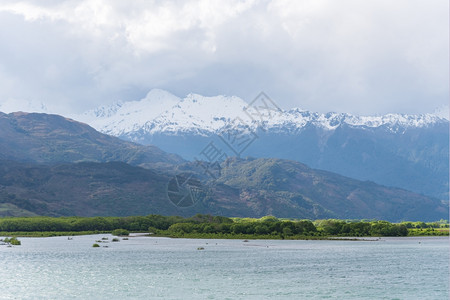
x=120, y=232
x=95, y=245
x=49, y=233
x=273, y=228
x=87, y=224
x=115, y=240
x=359, y=228
x=207, y=226
x=12, y=241
x=428, y=231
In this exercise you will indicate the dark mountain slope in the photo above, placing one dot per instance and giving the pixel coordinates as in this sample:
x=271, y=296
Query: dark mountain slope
x=84, y=189
x=247, y=188
x=412, y=158
x=326, y=193
x=43, y=138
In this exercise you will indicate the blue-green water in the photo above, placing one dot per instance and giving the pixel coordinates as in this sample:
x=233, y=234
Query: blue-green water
x=147, y=268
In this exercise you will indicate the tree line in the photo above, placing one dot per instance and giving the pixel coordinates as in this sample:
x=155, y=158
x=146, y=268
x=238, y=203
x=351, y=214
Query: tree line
x=213, y=225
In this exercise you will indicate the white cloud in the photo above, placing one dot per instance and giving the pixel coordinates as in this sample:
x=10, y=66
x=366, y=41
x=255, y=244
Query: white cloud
x=371, y=56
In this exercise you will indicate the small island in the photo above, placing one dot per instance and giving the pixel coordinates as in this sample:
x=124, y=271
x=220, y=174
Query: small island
x=10, y=241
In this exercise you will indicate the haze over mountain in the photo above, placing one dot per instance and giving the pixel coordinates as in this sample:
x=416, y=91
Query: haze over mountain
x=51, y=165
x=407, y=151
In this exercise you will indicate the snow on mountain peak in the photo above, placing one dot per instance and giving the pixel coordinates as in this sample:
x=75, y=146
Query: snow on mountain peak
x=393, y=121
x=105, y=111
x=160, y=97
x=123, y=117
x=162, y=112
x=442, y=112
x=198, y=113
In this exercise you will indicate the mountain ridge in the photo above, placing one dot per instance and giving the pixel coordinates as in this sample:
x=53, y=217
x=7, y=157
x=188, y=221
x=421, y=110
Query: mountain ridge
x=42, y=138
x=208, y=115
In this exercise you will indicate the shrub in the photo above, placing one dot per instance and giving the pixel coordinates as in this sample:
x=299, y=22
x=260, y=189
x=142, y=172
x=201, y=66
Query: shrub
x=120, y=232
x=13, y=241
x=153, y=230
x=287, y=231
x=96, y=246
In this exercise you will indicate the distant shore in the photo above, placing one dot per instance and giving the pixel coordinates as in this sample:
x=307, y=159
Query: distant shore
x=218, y=227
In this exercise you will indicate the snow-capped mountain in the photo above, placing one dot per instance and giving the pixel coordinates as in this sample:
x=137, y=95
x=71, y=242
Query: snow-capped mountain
x=163, y=113
x=407, y=151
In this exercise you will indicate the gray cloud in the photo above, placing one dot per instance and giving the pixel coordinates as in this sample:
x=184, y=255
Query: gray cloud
x=365, y=57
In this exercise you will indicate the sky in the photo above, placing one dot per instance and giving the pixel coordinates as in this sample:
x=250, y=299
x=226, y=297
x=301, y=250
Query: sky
x=362, y=57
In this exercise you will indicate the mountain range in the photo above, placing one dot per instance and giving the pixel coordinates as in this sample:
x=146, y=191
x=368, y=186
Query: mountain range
x=406, y=151
x=52, y=165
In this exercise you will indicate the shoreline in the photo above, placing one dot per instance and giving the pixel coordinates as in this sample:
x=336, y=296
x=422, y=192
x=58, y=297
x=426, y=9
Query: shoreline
x=47, y=234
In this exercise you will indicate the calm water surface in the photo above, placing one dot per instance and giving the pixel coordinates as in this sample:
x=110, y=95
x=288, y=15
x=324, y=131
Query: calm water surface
x=162, y=268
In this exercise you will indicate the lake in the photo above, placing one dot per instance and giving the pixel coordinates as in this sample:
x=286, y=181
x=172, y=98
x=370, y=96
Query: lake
x=164, y=268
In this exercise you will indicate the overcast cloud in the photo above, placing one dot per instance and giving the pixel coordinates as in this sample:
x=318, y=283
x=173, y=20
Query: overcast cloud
x=365, y=57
